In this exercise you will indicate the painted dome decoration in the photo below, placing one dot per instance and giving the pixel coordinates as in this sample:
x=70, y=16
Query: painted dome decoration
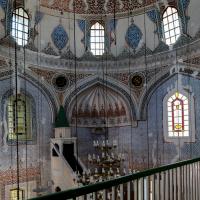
x=133, y=36
x=59, y=37
x=98, y=106
x=95, y=6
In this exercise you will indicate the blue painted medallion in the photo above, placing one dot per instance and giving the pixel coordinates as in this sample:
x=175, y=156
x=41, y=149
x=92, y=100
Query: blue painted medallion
x=133, y=36
x=59, y=37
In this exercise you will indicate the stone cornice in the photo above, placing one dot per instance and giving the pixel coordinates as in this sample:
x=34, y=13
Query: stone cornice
x=107, y=64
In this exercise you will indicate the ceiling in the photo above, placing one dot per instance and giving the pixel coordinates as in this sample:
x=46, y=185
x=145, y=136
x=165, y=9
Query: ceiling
x=95, y=6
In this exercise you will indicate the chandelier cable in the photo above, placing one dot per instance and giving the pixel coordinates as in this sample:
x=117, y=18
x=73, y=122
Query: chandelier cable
x=146, y=86
x=16, y=109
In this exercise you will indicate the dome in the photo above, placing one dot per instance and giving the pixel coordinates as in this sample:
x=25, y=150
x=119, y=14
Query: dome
x=98, y=106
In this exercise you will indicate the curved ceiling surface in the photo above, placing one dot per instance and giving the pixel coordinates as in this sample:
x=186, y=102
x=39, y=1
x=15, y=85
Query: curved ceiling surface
x=95, y=7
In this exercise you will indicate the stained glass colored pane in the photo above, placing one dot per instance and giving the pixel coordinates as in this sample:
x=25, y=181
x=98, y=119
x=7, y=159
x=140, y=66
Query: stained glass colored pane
x=19, y=118
x=14, y=196
x=178, y=116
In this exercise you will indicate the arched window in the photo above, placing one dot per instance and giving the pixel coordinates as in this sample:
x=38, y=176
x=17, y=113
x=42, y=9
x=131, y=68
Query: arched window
x=19, y=118
x=97, y=39
x=20, y=22
x=171, y=25
x=178, y=116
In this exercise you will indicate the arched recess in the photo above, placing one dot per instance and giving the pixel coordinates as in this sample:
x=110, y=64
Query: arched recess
x=31, y=127
x=153, y=87
x=99, y=82
x=40, y=86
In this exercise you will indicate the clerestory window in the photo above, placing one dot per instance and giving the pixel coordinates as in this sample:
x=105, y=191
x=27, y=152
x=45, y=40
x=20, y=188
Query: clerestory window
x=97, y=38
x=20, y=26
x=171, y=25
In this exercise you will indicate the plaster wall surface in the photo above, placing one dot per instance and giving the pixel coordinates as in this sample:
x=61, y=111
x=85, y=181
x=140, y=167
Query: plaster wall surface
x=37, y=152
x=193, y=13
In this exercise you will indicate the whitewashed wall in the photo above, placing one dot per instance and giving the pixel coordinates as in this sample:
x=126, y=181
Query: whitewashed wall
x=139, y=20
x=194, y=14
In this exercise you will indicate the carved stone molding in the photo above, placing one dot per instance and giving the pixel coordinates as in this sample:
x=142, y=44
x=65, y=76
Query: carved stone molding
x=125, y=62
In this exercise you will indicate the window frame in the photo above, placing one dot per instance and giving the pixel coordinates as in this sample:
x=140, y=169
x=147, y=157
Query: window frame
x=171, y=29
x=24, y=24
x=10, y=107
x=191, y=117
x=97, y=38
x=178, y=115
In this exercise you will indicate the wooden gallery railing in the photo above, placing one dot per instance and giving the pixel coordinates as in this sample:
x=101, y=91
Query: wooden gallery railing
x=179, y=181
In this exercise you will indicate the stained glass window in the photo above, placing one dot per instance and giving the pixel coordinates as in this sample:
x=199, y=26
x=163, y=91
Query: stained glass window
x=97, y=39
x=14, y=196
x=20, y=26
x=178, y=116
x=171, y=25
x=19, y=118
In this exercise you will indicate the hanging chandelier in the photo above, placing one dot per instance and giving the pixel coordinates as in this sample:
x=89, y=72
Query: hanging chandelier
x=104, y=165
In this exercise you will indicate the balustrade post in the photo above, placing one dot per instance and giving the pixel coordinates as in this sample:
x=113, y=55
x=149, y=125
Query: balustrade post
x=162, y=189
x=153, y=187
x=121, y=192
x=135, y=189
x=113, y=193
x=147, y=188
x=167, y=185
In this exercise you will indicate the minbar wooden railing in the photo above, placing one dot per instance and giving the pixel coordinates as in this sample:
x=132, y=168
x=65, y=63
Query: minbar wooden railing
x=178, y=181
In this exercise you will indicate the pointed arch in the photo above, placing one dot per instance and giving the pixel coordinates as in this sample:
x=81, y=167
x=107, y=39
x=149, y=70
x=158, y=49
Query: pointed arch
x=82, y=87
x=41, y=86
x=25, y=126
x=178, y=116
